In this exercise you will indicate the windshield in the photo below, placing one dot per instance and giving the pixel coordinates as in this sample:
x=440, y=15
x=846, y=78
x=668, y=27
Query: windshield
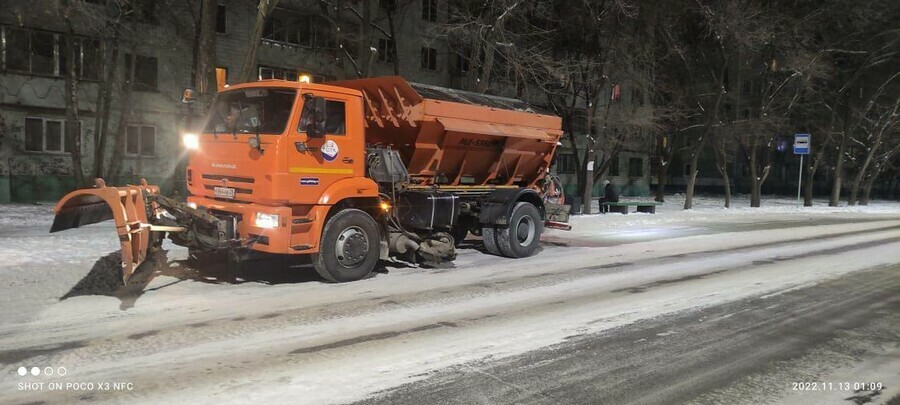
x=250, y=111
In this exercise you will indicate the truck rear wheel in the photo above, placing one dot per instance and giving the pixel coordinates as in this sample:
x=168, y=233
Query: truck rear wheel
x=489, y=237
x=348, y=250
x=523, y=236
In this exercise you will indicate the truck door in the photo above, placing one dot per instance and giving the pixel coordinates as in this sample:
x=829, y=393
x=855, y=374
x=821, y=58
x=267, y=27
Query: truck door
x=316, y=163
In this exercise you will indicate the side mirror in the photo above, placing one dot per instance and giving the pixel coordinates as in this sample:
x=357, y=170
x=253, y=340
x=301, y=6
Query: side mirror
x=312, y=118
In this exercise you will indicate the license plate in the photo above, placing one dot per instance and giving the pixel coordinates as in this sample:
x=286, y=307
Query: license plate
x=224, y=192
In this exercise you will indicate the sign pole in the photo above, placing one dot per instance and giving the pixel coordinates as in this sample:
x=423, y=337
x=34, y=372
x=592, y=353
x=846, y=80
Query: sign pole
x=800, y=181
x=802, y=145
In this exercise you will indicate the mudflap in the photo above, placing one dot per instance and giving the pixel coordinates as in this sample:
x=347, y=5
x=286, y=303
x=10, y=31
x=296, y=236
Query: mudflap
x=127, y=206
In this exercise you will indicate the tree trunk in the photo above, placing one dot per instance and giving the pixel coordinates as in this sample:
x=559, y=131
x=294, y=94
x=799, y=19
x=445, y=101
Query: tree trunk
x=489, y=50
x=98, y=115
x=474, y=63
x=867, y=191
x=835, y=198
x=695, y=159
x=73, y=129
x=588, y=195
x=205, y=80
x=104, y=104
x=689, y=192
x=854, y=190
x=662, y=176
x=727, y=182
x=127, y=106
x=392, y=28
x=722, y=167
x=811, y=168
x=808, y=187
x=365, y=45
x=249, y=66
x=755, y=183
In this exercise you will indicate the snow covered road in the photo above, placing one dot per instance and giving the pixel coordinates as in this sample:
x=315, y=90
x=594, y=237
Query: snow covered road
x=573, y=316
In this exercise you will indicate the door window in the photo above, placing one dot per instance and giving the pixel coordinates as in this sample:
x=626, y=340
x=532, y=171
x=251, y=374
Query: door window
x=335, y=118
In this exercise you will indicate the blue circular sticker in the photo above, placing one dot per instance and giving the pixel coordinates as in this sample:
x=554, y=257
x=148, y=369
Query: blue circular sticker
x=330, y=150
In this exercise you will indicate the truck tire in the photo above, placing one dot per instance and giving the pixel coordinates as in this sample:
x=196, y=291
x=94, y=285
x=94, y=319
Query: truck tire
x=523, y=236
x=488, y=235
x=348, y=250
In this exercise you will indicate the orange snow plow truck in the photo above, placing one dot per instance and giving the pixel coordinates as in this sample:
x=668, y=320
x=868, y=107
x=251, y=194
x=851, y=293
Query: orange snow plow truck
x=348, y=172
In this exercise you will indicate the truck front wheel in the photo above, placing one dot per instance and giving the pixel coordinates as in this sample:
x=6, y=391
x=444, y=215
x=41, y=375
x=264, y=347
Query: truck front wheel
x=348, y=250
x=522, y=237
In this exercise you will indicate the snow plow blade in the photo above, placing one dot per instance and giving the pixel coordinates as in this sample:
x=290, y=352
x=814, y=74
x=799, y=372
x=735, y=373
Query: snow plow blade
x=127, y=206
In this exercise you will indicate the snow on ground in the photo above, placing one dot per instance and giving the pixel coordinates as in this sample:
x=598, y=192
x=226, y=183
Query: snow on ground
x=705, y=207
x=709, y=208
x=16, y=215
x=322, y=342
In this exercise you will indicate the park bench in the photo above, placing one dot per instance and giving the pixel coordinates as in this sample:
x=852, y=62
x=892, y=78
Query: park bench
x=622, y=207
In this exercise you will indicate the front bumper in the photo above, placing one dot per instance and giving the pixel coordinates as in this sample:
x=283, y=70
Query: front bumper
x=271, y=240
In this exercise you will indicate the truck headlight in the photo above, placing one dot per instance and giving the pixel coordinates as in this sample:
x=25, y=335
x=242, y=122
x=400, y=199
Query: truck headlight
x=191, y=141
x=266, y=220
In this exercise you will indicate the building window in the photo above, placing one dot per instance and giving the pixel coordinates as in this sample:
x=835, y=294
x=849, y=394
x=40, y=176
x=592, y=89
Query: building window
x=141, y=11
x=43, y=45
x=221, y=19
x=47, y=135
x=579, y=124
x=293, y=28
x=44, y=53
x=565, y=163
x=267, y=72
x=386, y=50
x=89, y=64
x=687, y=170
x=460, y=64
x=429, y=58
x=429, y=10
x=635, y=167
x=145, y=72
x=637, y=97
x=221, y=78
x=18, y=49
x=614, y=167
x=140, y=140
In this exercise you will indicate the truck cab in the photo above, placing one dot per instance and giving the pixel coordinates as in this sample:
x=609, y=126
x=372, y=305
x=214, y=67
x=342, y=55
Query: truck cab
x=261, y=164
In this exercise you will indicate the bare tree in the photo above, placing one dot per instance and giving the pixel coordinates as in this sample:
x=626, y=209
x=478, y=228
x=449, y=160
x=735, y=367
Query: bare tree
x=73, y=127
x=875, y=128
x=204, y=67
x=127, y=107
x=880, y=164
x=248, y=67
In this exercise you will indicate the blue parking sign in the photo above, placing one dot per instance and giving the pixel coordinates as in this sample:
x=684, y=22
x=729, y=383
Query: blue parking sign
x=801, y=144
